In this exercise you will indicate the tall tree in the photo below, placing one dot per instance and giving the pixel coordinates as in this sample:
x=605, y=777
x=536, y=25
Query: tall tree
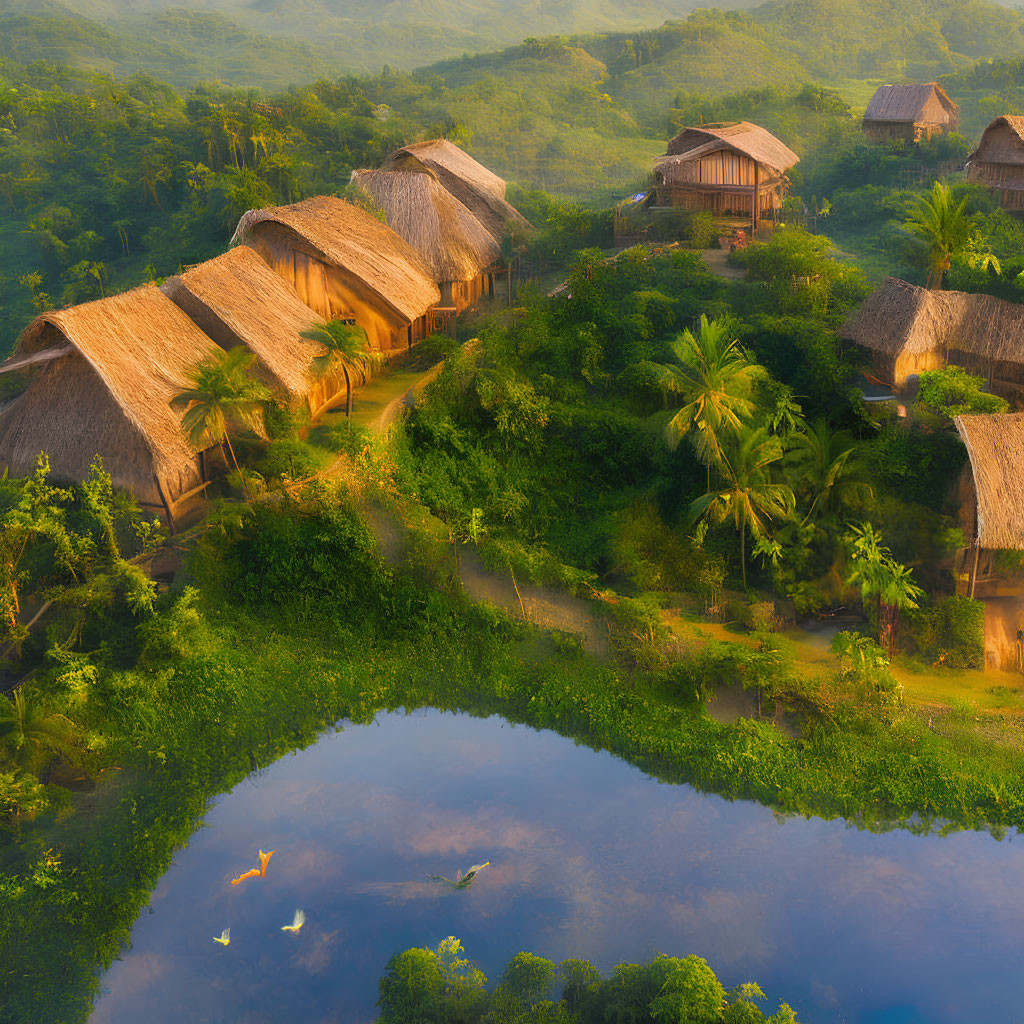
x=347, y=348
x=713, y=378
x=747, y=495
x=946, y=233
x=222, y=396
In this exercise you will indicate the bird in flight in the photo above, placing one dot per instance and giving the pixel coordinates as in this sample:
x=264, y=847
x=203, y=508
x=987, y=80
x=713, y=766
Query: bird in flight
x=264, y=861
x=251, y=873
x=297, y=922
x=225, y=937
x=462, y=881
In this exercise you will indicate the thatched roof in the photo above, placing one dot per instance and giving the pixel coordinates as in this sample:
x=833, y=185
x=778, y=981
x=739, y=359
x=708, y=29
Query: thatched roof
x=995, y=444
x=237, y=298
x=358, y=243
x=131, y=354
x=450, y=240
x=1002, y=142
x=476, y=187
x=901, y=318
x=741, y=137
x=925, y=102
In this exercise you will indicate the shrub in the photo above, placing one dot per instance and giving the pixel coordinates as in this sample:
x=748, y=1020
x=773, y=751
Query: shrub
x=951, y=632
x=953, y=391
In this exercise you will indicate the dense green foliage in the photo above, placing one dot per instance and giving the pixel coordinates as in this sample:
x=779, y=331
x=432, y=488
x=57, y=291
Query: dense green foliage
x=440, y=986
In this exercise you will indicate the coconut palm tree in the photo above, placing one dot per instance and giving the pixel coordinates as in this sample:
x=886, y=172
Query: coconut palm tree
x=713, y=377
x=222, y=396
x=747, y=494
x=30, y=735
x=347, y=349
x=946, y=233
x=826, y=461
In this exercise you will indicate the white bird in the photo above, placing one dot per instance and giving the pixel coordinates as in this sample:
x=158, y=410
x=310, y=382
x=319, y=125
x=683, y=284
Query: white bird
x=297, y=922
x=225, y=937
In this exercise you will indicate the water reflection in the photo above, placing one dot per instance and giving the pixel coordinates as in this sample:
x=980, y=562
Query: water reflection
x=588, y=857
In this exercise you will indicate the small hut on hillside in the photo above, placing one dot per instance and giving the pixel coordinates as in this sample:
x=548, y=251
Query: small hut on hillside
x=236, y=299
x=476, y=187
x=907, y=329
x=727, y=168
x=101, y=377
x=992, y=517
x=461, y=254
x=346, y=264
x=910, y=112
x=998, y=162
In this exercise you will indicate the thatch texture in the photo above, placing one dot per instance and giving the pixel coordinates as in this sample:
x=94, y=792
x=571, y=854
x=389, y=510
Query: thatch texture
x=452, y=243
x=110, y=395
x=999, y=159
x=921, y=103
x=238, y=300
x=995, y=444
x=750, y=140
x=360, y=245
x=906, y=323
x=476, y=187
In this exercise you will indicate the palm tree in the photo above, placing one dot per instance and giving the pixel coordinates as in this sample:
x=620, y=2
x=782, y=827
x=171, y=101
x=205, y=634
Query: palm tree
x=827, y=462
x=748, y=494
x=714, y=379
x=347, y=349
x=222, y=395
x=946, y=233
x=882, y=578
x=30, y=735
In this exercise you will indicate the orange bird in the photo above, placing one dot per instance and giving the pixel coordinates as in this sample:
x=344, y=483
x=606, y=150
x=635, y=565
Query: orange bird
x=264, y=861
x=252, y=873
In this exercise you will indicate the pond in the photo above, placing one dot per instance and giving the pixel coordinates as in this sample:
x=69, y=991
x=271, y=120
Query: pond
x=589, y=858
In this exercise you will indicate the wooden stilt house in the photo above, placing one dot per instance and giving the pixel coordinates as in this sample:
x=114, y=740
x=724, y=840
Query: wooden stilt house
x=910, y=112
x=906, y=329
x=100, y=379
x=998, y=162
x=461, y=254
x=238, y=300
x=992, y=518
x=726, y=168
x=346, y=264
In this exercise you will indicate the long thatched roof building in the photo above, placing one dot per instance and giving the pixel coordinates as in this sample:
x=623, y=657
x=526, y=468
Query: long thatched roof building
x=998, y=162
x=346, y=264
x=908, y=329
x=476, y=187
x=995, y=445
x=101, y=377
x=238, y=300
x=459, y=251
x=910, y=112
x=728, y=168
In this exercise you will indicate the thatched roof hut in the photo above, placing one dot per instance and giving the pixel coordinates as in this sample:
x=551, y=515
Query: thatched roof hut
x=995, y=445
x=346, y=264
x=908, y=329
x=910, y=112
x=998, y=162
x=735, y=168
x=452, y=243
x=476, y=187
x=116, y=364
x=238, y=300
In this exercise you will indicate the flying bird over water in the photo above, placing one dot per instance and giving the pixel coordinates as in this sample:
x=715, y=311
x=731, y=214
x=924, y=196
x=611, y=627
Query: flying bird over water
x=252, y=873
x=462, y=881
x=225, y=937
x=264, y=861
x=297, y=922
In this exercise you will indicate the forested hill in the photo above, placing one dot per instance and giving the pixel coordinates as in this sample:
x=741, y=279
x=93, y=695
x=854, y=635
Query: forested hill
x=273, y=44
